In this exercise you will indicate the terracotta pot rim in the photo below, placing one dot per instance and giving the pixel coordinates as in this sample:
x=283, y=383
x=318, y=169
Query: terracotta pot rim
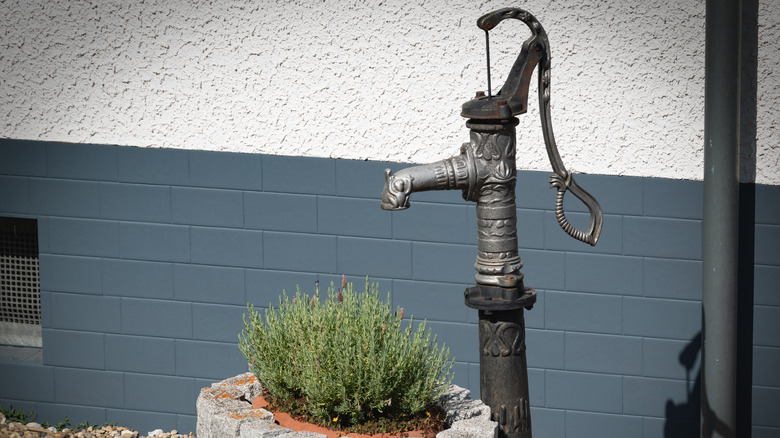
x=285, y=420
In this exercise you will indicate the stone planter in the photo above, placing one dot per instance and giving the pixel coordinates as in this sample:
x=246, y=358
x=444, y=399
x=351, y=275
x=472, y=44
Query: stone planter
x=225, y=411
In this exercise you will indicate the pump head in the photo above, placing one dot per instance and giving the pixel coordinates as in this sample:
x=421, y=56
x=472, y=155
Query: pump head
x=512, y=100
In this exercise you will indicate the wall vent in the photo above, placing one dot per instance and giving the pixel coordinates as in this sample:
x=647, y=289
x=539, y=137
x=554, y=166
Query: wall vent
x=20, y=293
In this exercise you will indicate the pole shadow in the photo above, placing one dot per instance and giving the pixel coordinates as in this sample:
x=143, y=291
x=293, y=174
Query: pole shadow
x=682, y=420
x=747, y=216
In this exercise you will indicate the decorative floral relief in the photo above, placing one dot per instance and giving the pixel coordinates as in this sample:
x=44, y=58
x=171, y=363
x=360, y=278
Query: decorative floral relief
x=487, y=148
x=503, y=172
x=501, y=339
x=516, y=419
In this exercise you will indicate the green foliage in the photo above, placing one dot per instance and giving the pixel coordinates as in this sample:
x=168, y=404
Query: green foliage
x=16, y=416
x=65, y=423
x=350, y=358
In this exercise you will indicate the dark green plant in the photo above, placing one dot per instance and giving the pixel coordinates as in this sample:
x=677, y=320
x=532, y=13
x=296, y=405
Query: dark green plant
x=350, y=358
x=65, y=423
x=17, y=416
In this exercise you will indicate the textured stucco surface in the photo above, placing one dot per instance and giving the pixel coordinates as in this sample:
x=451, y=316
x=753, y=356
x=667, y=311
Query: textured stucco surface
x=768, y=94
x=378, y=80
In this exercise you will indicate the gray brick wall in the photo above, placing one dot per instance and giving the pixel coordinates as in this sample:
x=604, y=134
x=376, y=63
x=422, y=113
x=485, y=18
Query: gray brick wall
x=149, y=256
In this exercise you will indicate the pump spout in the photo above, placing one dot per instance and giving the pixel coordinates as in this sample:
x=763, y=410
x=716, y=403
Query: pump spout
x=485, y=172
x=450, y=174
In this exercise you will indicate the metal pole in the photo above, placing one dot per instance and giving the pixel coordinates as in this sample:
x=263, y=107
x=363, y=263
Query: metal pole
x=721, y=217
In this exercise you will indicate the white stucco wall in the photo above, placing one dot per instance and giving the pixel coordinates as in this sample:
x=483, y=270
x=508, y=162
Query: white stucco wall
x=368, y=79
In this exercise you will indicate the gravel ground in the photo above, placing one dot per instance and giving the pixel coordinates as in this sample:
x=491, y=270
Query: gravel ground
x=35, y=430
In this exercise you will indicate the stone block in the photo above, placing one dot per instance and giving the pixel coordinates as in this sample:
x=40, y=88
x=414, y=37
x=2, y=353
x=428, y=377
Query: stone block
x=431, y=222
x=131, y=353
x=214, y=284
x=135, y=202
x=227, y=247
x=210, y=403
x=461, y=433
x=443, y=262
x=584, y=391
x=245, y=384
x=154, y=242
x=603, y=353
x=352, y=217
x=299, y=252
x=70, y=274
x=280, y=212
x=454, y=393
x=767, y=239
x=26, y=382
x=588, y=424
x=661, y=237
x=224, y=412
x=302, y=435
x=69, y=312
x=388, y=258
x=81, y=161
x=607, y=274
x=477, y=427
x=170, y=394
x=661, y=318
x=152, y=318
x=268, y=429
x=153, y=166
x=566, y=311
x=22, y=157
x=208, y=207
x=362, y=179
x=208, y=359
x=225, y=170
x=431, y=300
x=227, y=424
x=673, y=198
x=544, y=269
x=767, y=207
x=96, y=388
x=56, y=197
x=14, y=194
x=299, y=175
x=85, y=237
x=65, y=348
x=216, y=322
x=465, y=409
x=131, y=278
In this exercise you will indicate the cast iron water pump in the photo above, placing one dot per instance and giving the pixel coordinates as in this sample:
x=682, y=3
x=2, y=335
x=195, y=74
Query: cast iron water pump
x=485, y=171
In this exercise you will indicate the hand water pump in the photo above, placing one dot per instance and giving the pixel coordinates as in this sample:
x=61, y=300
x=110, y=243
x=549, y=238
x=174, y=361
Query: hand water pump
x=486, y=172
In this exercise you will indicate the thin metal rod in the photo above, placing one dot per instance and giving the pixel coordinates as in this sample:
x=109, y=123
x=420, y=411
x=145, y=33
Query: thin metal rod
x=720, y=225
x=487, y=51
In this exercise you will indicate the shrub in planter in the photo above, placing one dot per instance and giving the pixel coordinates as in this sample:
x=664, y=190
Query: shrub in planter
x=349, y=358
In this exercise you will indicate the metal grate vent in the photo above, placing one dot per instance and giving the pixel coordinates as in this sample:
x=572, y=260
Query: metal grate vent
x=20, y=295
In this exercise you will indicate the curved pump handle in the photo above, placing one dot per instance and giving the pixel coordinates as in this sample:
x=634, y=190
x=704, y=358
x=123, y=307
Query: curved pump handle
x=512, y=99
x=515, y=89
x=514, y=92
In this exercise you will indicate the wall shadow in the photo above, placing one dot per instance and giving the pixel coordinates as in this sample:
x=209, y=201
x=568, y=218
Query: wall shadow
x=682, y=420
x=747, y=216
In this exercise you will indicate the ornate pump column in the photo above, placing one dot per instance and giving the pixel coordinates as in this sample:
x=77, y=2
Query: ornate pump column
x=486, y=172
